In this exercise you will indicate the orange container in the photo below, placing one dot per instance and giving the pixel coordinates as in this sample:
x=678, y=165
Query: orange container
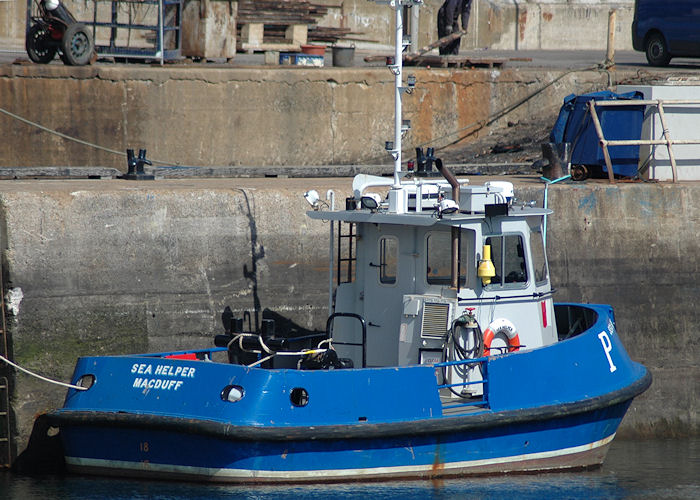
x=314, y=50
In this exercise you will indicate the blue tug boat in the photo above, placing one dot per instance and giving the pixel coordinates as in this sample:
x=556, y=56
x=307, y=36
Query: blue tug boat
x=444, y=355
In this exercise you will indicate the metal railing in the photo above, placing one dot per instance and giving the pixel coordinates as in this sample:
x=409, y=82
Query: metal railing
x=363, y=324
x=667, y=141
x=5, y=424
x=483, y=362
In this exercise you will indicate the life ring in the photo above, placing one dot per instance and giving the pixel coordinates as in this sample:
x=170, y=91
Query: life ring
x=504, y=326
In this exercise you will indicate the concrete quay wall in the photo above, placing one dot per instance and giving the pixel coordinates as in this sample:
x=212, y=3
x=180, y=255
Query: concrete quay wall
x=260, y=116
x=112, y=267
x=495, y=24
x=507, y=24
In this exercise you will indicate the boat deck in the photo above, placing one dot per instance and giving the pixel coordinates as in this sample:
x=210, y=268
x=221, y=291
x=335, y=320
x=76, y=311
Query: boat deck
x=453, y=406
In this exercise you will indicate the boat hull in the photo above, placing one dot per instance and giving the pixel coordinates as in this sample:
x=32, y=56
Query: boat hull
x=552, y=438
x=552, y=408
x=575, y=457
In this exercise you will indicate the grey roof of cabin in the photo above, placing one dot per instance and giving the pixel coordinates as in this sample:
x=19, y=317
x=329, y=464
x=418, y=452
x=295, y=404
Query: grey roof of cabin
x=420, y=219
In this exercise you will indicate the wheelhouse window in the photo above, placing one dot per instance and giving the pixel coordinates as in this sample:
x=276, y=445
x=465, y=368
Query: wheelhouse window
x=439, y=257
x=388, y=260
x=539, y=260
x=508, y=256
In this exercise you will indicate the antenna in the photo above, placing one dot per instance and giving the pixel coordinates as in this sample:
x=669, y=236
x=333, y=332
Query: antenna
x=395, y=65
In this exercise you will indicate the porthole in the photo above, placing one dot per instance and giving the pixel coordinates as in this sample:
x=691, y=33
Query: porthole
x=299, y=397
x=232, y=393
x=86, y=381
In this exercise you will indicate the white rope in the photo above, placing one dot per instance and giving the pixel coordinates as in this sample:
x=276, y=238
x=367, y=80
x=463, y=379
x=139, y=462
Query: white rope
x=77, y=387
x=75, y=139
x=261, y=361
x=303, y=352
x=270, y=353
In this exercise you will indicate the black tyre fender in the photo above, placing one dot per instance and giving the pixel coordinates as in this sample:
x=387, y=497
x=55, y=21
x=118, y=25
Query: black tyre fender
x=579, y=172
x=39, y=45
x=656, y=50
x=77, y=45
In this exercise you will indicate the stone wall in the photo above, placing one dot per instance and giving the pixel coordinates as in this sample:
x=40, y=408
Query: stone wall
x=108, y=267
x=249, y=117
x=636, y=246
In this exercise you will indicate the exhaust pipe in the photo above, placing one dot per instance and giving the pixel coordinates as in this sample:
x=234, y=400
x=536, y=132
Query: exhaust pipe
x=449, y=177
x=454, y=266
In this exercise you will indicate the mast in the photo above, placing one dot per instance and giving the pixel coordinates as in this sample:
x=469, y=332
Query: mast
x=395, y=65
x=398, y=80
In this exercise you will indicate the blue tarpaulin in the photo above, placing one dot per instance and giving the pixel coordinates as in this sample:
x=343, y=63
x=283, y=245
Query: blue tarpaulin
x=575, y=125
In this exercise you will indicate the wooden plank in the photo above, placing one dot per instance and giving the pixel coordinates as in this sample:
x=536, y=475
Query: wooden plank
x=444, y=61
x=415, y=55
x=667, y=136
x=456, y=61
x=278, y=15
x=263, y=47
x=440, y=42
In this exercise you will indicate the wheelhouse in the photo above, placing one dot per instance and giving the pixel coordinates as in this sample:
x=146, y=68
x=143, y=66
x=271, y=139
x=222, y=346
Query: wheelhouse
x=416, y=273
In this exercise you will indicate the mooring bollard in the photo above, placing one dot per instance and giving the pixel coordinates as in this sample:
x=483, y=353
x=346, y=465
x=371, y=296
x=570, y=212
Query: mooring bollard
x=135, y=170
x=553, y=169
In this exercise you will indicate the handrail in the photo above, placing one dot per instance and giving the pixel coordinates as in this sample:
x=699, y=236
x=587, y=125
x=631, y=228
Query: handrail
x=659, y=103
x=329, y=322
x=471, y=361
x=475, y=361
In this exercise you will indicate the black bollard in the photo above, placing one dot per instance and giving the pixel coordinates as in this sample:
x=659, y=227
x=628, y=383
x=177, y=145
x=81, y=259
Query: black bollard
x=135, y=170
x=552, y=170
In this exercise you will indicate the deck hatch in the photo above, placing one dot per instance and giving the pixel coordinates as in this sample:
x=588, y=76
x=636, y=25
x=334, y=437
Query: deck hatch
x=435, y=318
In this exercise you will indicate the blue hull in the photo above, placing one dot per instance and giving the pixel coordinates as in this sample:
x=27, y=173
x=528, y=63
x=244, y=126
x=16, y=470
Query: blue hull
x=555, y=443
x=555, y=407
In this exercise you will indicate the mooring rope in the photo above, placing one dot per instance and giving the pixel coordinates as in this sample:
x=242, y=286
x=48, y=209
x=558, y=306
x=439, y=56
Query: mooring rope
x=40, y=377
x=75, y=139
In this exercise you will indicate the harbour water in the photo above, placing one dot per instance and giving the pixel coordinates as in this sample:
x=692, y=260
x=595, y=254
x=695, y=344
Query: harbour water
x=639, y=469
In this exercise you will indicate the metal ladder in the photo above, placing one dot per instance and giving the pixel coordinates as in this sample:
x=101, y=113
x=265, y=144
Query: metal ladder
x=5, y=423
x=349, y=250
x=5, y=430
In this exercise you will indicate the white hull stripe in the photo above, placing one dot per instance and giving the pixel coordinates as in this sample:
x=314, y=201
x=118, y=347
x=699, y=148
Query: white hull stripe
x=144, y=467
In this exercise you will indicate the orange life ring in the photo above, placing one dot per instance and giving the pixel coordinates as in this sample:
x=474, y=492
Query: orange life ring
x=501, y=325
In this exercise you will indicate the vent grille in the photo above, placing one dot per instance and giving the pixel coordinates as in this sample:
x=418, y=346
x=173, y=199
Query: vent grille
x=435, y=320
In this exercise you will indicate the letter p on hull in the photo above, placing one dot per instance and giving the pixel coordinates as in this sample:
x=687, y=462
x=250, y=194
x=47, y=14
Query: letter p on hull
x=607, y=348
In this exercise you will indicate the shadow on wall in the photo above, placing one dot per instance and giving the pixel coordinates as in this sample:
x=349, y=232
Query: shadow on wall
x=257, y=252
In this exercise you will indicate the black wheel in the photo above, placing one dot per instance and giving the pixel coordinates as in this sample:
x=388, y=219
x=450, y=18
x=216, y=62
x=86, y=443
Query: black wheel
x=40, y=47
x=657, y=50
x=77, y=45
x=579, y=172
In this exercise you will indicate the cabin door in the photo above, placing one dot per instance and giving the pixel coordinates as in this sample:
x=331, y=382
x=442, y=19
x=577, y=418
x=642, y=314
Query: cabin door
x=389, y=275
